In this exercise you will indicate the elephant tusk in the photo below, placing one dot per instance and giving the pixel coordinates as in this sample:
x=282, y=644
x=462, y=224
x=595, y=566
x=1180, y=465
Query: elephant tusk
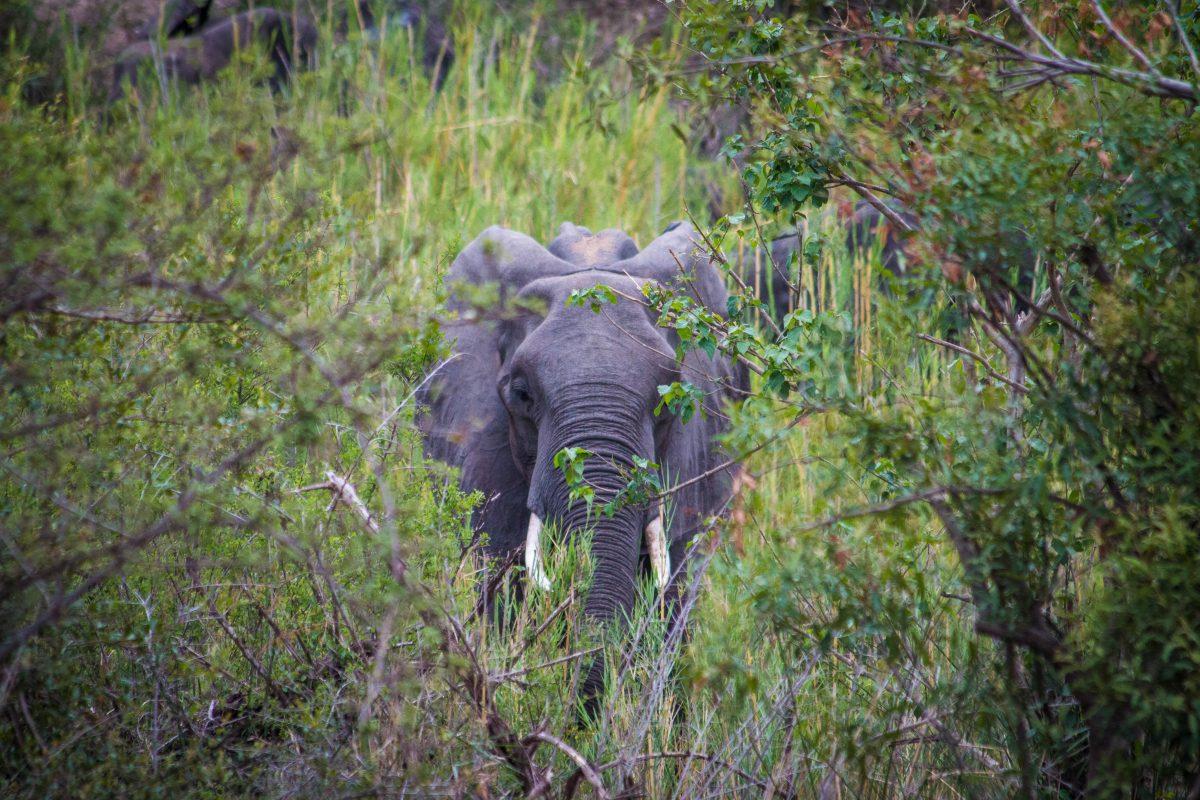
x=533, y=554
x=660, y=558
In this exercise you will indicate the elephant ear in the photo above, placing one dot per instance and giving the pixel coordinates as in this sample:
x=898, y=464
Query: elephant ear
x=504, y=258
x=458, y=400
x=688, y=453
x=677, y=258
x=462, y=419
x=689, y=456
x=583, y=248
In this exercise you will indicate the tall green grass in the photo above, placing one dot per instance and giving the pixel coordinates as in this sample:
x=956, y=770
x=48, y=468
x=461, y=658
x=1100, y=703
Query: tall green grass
x=271, y=644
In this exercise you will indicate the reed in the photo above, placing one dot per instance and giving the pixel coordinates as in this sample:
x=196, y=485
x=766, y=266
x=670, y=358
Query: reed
x=283, y=655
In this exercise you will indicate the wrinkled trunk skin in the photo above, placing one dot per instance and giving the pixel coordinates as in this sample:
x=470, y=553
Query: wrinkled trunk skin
x=613, y=432
x=616, y=544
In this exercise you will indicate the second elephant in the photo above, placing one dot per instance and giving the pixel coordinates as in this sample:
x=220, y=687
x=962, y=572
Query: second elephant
x=289, y=40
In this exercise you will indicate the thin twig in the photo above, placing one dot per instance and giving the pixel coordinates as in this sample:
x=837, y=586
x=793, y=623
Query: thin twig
x=1133, y=49
x=927, y=496
x=685, y=754
x=1173, y=10
x=1015, y=7
x=735, y=460
x=585, y=768
x=516, y=673
x=958, y=348
x=148, y=317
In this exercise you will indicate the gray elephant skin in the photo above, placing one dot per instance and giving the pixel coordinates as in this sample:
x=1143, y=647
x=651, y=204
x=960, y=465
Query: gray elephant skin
x=289, y=39
x=539, y=376
x=865, y=229
x=195, y=46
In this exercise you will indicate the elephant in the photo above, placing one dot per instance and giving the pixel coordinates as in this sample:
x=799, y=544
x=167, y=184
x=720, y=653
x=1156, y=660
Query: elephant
x=177, y=18
x=437, y=48
x=290, y=39
x=866, y=228
x=1010, y=263
x=541, y=375
x=579, y=246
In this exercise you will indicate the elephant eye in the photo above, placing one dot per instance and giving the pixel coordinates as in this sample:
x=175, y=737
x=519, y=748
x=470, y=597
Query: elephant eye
x=518, y=392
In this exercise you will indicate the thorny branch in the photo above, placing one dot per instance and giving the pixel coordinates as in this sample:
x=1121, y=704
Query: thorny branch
x=344, y=492
x=958, y=348
x=1058, y=65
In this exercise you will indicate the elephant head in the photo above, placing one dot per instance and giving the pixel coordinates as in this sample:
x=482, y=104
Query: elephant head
x=288, y=39
x=542, y=376
x=177, y=18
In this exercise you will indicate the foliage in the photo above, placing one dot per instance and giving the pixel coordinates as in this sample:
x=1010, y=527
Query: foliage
x=962, y=558
x=1046, y=151
x=570, y=462
x=227, y=568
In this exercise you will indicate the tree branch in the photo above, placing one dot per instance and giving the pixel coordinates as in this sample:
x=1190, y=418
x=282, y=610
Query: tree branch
x=1173, y=11
x=957, y=348
x=1133, y=49
x=1157, y=85
x=880, y=206
x=1032, y=29
x=588, y=772
x=148, y=317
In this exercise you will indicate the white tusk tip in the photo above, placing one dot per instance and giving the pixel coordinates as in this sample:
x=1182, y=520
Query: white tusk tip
x=660, y=556
x=533, y=554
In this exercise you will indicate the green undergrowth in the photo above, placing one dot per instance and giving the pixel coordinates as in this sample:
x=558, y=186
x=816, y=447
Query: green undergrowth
x=220, y=294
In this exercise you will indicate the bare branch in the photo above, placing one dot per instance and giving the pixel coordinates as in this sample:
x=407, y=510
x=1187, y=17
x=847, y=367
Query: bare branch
x=1006, y=344
x=733, y=461
x=689, y=755
x=1038, y=308
x=585, y=768
x=1133, y=49
x=1036, y=637
x=1032, y=29
x=151, y=316
x=927, y=496
x=344, y=491
x=254, y=663
x=880, y=206
x=1157, y=85
x=516, y=673
x=957, y=348
x=968, y=552
x=1173, y=10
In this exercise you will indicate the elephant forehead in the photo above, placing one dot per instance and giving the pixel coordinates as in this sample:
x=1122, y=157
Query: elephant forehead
x=593, y=250
x=580, y=246
x=617, y=339
x=559, y=288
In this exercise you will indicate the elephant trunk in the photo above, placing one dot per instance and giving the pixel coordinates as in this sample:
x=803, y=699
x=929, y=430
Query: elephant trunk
x=615, y=549
x=612, y=434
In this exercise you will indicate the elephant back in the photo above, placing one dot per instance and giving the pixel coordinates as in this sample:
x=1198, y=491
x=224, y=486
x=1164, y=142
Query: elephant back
x=581, y=247
x=502, y=258
x=678, y=259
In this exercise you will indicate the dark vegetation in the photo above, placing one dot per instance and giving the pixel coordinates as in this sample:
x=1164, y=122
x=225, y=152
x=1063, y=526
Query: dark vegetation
x=960, y=557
